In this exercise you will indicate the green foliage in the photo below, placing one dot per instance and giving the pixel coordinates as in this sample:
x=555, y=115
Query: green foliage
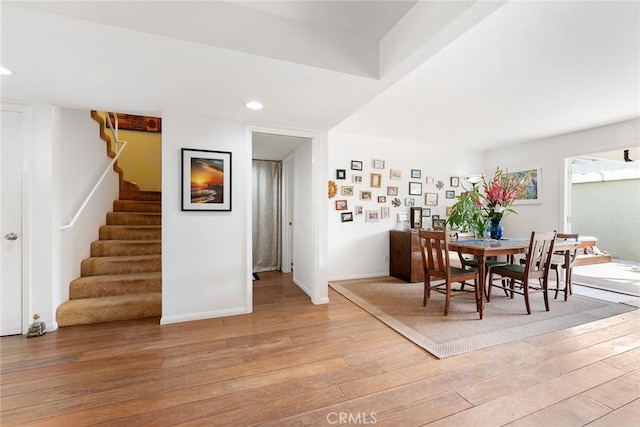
x=467, y=214
x=475, y=208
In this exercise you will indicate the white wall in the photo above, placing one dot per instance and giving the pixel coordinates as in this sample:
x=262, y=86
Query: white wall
x=80, y=159
x=609, y=210
x=304, y=231
x=204, y=254
x=549, y=154
x=64, y=156
x=361, y=249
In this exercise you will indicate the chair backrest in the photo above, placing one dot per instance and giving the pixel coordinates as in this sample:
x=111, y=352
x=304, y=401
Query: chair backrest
x=539, y=254
x=435, y=250
x=465, y=236
x=569, y=238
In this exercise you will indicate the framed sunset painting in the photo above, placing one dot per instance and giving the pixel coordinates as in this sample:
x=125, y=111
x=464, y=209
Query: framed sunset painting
x=206, y=180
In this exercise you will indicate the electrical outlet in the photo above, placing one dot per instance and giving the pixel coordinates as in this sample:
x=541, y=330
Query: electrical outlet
x=386, y=258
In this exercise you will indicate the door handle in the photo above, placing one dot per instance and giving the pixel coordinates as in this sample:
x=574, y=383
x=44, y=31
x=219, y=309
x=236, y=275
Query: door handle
x=11, y=236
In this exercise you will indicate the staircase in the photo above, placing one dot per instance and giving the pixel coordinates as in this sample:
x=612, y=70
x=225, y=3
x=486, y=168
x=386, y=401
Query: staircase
x=122, y=279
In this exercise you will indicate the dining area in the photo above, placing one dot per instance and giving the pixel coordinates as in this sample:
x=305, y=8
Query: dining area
x=514, y=265
x=450, y=292
x=485, y=259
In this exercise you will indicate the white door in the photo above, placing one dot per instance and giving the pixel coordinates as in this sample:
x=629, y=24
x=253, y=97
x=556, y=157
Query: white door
x=11, y=145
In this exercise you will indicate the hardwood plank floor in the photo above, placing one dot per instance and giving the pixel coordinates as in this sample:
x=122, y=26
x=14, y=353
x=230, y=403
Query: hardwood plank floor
x=291, y=363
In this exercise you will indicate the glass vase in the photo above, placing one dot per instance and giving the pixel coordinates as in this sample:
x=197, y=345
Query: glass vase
x=496, y=229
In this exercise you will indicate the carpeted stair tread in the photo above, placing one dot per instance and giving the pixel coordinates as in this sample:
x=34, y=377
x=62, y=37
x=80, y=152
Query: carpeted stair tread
x=134, y=218
x=106, y=309
x=137, y=206
x=98, y=266
x=123, y=277
x=101, y=248
x=154, y=196
x=130, y=232
x=115, y=284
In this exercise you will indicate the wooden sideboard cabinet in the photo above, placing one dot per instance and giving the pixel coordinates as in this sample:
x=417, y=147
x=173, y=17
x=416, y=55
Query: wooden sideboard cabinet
x=405, y=258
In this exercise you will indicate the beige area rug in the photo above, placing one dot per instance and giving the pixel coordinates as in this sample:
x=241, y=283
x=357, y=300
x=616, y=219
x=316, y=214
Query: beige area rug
x=399, y=305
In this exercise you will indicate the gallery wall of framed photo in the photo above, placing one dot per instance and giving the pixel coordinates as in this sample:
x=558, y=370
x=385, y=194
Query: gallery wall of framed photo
x=369, y=188
x=377, y=182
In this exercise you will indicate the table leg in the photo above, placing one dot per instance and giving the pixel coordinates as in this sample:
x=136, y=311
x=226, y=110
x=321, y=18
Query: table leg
x=481, y=281
x=567, y=273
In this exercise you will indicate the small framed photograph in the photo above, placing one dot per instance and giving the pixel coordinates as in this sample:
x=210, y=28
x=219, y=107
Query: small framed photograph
x=450, y=194
x=409, y=202
x=357, y=179
x=341, y=174
x=426, y=212
x=392, y=191
x=395, y=174
x=356, y=165
x=416, y=173
x=431, y=199
x=378, y=164
x=346, y=216
x=402, y=217
x=372, y=216
x=382, y=199
x=429, y=180
x=454, y=181
x=376, y=180
x=346, y=190
x=206, y=180
x=416, y=218
x=365, y=195
x=415, y=188
x=384, y=212
x=438, y=224
x=341, y=205
x=449, y=210
x=358, y=210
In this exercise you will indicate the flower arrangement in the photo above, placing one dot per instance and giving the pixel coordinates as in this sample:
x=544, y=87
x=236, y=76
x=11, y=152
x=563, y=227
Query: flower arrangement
x=500, y=193
x=475, y=208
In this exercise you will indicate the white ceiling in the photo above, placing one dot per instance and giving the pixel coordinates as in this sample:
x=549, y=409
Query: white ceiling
x=274, y=147
x=372, y=19
x=529, y=70
x=474, y=74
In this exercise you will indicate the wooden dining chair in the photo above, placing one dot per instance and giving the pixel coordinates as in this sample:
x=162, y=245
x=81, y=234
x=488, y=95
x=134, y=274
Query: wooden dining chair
x=438, y=272
x=561, y=261
x=532, y=276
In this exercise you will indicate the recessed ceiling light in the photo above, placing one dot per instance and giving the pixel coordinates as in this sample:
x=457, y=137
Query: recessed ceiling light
x=4, y=71
x=253, y=105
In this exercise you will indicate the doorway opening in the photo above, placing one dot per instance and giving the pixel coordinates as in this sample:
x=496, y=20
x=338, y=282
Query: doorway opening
x=602, y=201
x=273, y=166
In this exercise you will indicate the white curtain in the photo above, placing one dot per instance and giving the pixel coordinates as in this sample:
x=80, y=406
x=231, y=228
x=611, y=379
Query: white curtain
x=266, y=215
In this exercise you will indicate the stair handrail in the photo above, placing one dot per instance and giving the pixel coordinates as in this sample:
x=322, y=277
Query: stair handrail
x=118, y=151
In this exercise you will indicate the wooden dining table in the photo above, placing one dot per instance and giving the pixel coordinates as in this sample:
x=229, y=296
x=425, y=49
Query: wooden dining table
x=485, y=248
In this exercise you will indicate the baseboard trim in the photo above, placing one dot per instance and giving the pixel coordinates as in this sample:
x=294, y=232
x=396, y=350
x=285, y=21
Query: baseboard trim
x=359, y=276
x=168, y=320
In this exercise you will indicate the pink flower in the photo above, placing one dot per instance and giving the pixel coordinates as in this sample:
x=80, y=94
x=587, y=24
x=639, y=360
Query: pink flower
x=500, y=192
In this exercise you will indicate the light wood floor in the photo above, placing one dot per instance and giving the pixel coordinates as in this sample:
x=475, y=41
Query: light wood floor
x=291, y=363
